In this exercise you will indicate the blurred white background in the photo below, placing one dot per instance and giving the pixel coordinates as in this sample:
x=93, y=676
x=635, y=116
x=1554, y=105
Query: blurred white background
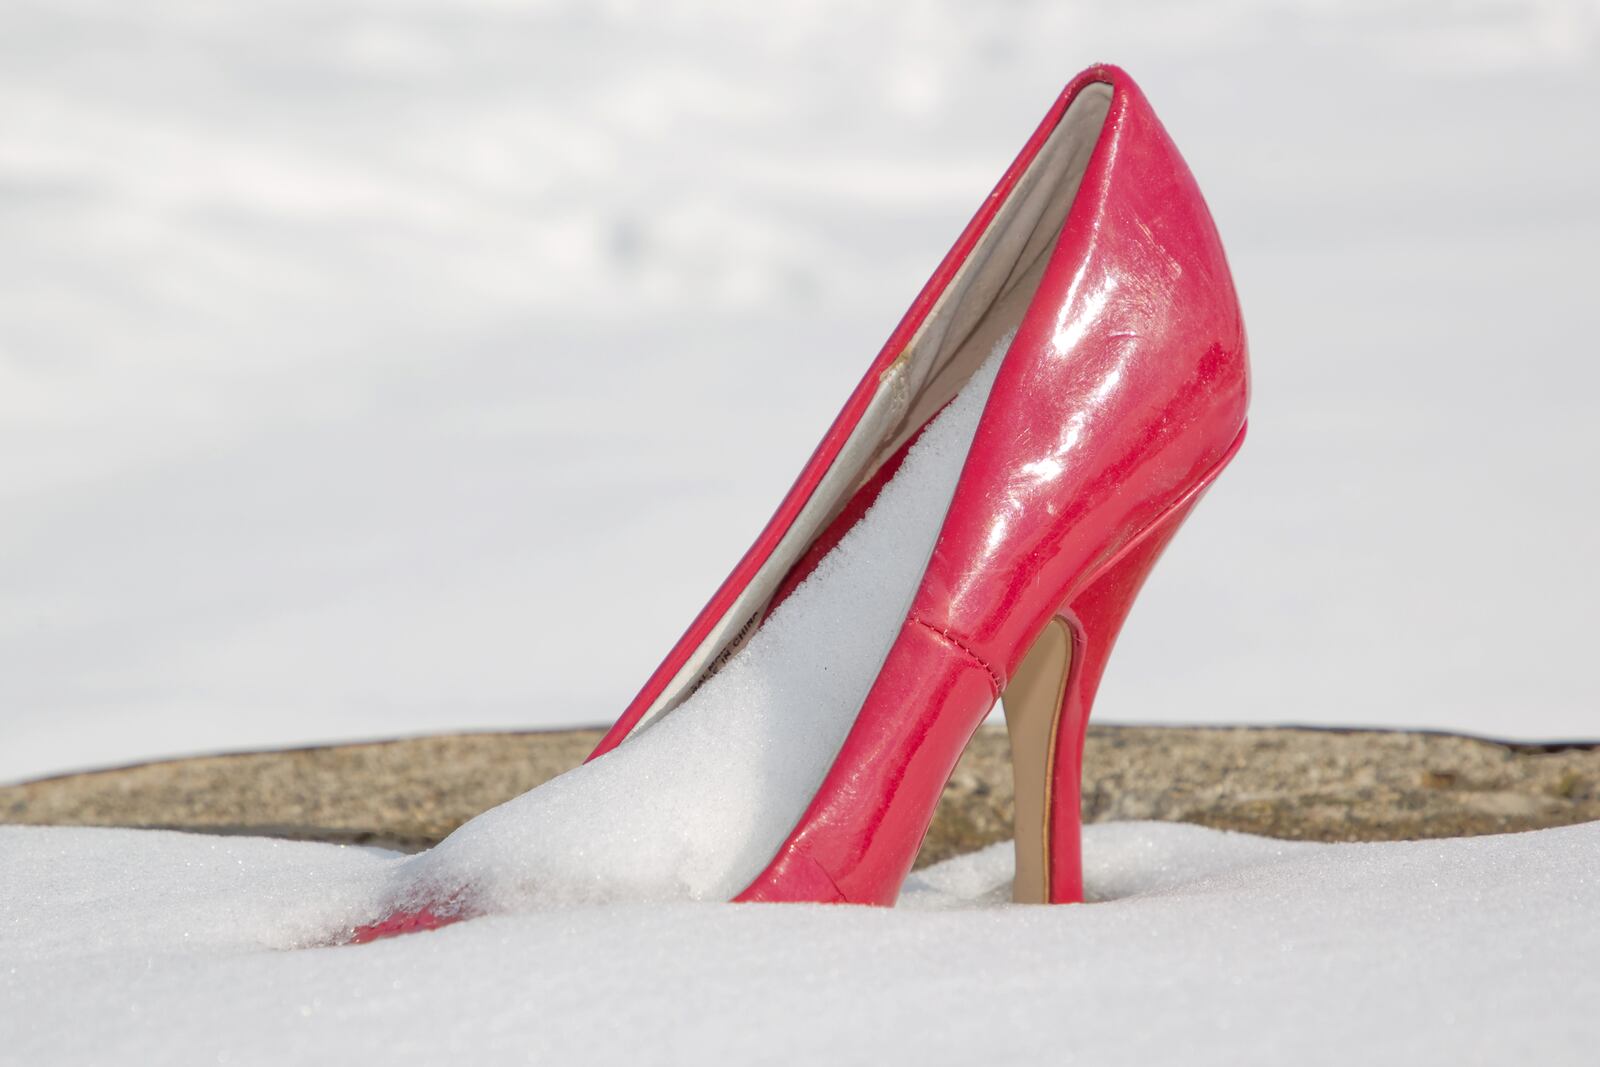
x=372, y=367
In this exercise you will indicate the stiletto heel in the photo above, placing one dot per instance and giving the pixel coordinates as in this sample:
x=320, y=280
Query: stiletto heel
x=1048, y=701
x=1085, y=330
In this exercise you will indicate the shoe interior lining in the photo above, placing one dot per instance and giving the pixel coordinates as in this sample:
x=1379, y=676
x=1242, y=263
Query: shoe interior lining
x=985, y=300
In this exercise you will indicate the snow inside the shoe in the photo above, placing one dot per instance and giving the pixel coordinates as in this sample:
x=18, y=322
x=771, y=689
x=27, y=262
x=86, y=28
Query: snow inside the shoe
x=693, y=806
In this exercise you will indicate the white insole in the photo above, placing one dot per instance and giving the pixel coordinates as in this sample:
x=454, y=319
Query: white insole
x=695, y=805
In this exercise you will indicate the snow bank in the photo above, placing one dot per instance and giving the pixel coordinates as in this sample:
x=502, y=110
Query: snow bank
x=158, y=948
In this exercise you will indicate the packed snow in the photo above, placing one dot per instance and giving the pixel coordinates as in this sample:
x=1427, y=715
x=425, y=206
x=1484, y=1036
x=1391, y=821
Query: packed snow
x=360, y=362
x=1204, y=948
x=694, y=805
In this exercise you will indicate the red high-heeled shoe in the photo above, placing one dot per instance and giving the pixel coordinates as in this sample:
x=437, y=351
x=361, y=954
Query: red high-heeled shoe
x=1120, y=399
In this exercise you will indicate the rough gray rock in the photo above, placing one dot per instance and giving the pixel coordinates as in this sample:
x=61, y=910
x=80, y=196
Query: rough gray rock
x=1303, y=784
x=1318, y=785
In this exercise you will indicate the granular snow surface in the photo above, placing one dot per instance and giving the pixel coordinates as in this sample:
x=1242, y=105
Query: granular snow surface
x=1205, y=947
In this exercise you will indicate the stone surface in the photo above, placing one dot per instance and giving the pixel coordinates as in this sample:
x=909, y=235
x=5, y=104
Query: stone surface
x=1315, y=785
x=1293, y=783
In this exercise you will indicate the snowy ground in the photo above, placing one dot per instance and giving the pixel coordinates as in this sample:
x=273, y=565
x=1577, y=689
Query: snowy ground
x=1209, y=948
x=363, y=363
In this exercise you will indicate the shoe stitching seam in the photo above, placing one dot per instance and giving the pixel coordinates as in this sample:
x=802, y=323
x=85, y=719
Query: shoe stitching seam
x=828, y=875
x=994, y=675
